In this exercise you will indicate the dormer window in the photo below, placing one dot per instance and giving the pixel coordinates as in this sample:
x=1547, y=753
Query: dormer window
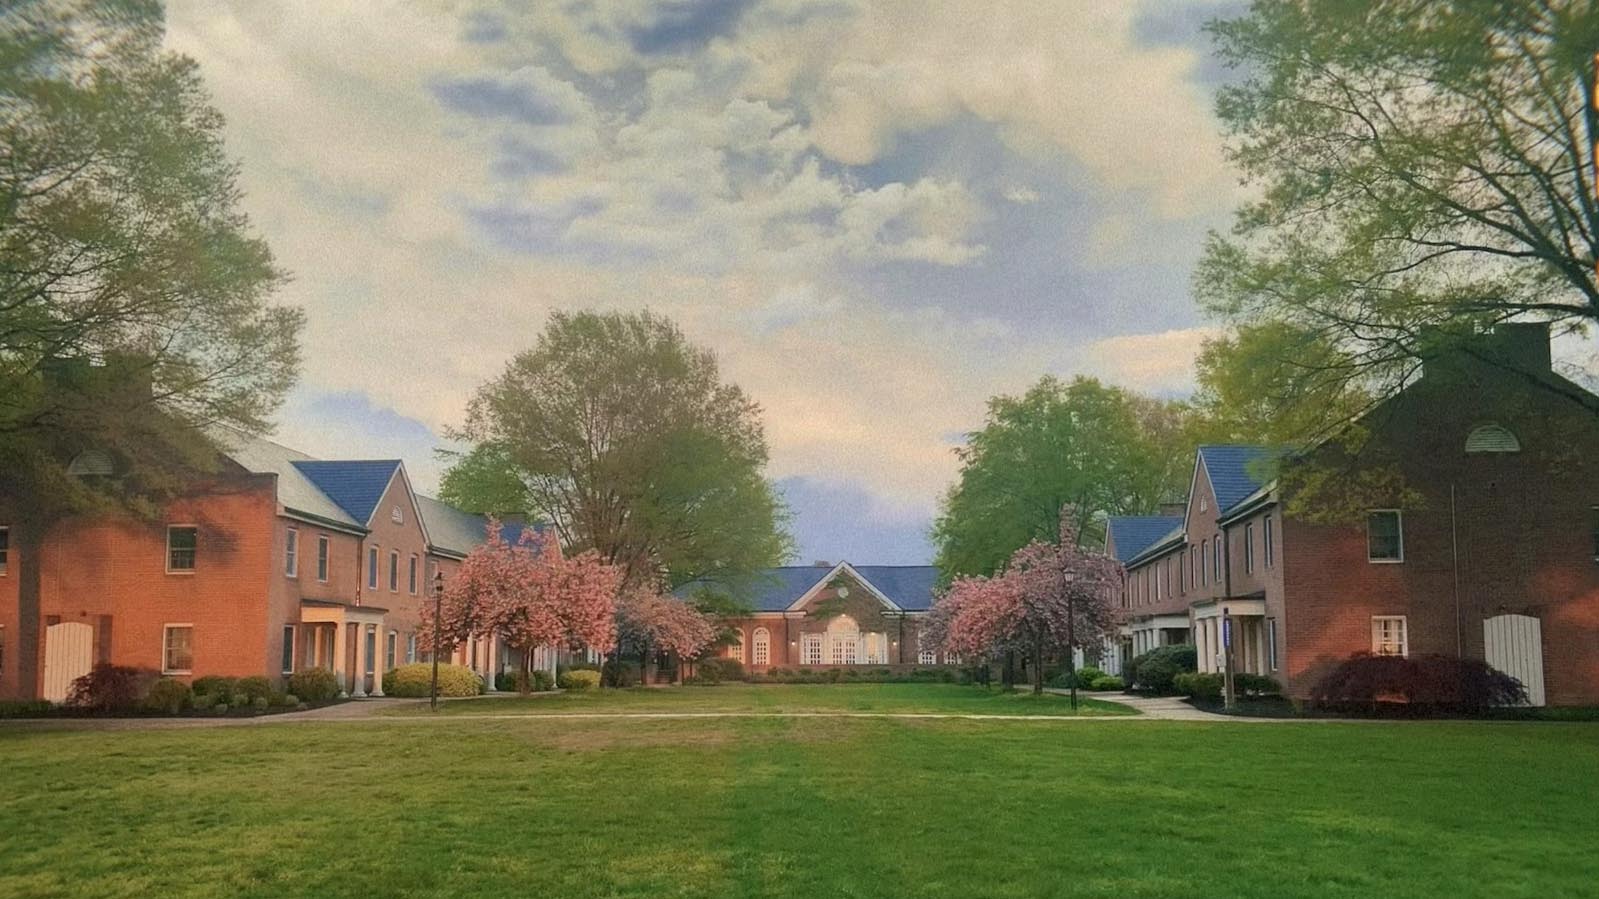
x=1492, y=438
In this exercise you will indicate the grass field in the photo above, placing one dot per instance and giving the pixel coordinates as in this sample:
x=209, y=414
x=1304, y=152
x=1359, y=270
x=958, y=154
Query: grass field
x=802, y=807
x=906, y=698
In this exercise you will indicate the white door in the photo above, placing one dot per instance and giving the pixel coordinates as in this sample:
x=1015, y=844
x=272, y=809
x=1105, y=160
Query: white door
x=1514, y=644
x=68, y=655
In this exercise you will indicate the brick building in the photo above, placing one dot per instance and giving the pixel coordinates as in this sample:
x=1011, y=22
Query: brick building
x=277, y=563
x=1485, y=545
x=826, y=616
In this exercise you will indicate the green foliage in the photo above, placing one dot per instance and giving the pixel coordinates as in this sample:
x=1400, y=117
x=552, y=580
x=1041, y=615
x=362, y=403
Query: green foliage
x=314, y=685
x=1102, y=450
x=620, y=431
x=579, y=680
x=542, y=681
x=1156, y=671
x=25, y=708
x=1421, y=171
x=416, y=680
x=1087, y=674
x=716, y=669
x=1412, y=685
x=1202, y=686
x=261, y=703
x=938, y=674
x=253, y=688
x=1107, y=682
x=169, y=696
x=214, y=685
x=289, y=701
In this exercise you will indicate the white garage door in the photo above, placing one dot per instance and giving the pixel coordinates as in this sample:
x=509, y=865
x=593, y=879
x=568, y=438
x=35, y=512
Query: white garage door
x=1514, y=644
x=68, y=655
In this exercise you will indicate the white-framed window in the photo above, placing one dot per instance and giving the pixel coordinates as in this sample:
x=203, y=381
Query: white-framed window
x=1388, y=636
x=177, y=649
x=1271, y=643
x=323, y=550
x=761, y=647
x=391, y=650
x=843, y=651
x=287, y=664
x=410, y=648
x=371, y=568
x=5, y=550
x=926, y=657
x=1269, y=540
x=291, y=552
x=412, y=573
x=1249, y=547
x=735, y=650
x=811, y=649
x=1204, y=561
x=1385, y=535
x=874, y=649
x=183, y=545
x=1215, y=559
x=394, y=571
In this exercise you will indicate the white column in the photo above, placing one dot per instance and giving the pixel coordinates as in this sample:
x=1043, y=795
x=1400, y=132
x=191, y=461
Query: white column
x=339, y=630
x=382, y=650
x=1260, y=646
x=1204, y=645
x=358, y=683
x=493, y=664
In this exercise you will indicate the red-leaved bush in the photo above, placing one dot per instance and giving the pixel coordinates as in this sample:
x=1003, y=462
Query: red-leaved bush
x=112, y=688
x=1418, y=684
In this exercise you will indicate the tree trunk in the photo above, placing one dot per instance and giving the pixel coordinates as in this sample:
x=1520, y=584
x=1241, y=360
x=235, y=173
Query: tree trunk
x=644, y=667
x=1007, y=677
x=1038, y=666
x=30, y=576
x=524, y=679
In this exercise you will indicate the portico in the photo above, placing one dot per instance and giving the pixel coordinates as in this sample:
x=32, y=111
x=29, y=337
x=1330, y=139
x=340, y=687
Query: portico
x=346, y=639
x=1248, y=617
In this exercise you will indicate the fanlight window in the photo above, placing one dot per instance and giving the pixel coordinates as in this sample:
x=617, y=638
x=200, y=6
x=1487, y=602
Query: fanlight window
x=1492, y=439
x=91, y=463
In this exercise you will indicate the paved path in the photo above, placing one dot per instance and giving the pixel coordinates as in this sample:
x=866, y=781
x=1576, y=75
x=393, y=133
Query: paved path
x=1159, y=708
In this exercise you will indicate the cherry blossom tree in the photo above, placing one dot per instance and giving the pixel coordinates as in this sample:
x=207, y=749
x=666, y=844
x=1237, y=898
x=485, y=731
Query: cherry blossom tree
x=529, y=595
x=1048, y=599
x=651, y=622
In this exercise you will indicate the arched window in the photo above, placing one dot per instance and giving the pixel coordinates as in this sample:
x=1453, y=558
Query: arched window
x=762, y=654
x=843, y=641
x=1492, y=439
x=92, y=463
x=735, y=650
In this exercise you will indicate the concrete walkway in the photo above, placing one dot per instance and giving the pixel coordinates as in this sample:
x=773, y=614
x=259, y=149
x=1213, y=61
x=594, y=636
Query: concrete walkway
x=1158, y=708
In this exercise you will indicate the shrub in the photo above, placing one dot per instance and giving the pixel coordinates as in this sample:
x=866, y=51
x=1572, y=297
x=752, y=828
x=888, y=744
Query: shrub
x=1256, y=685
x=579, y=680
x=1086, y=676
x=505, y=681
x=289, y=701
x=253, y=688
x=239, y=700
x=168, y=696
x=1107, y=682
x=112, y=688
x=1206, y=687
x=617, y=674
x=25, y=708
x=722, y=669
x=543, y=682
x=416, y=680
x=215, y=685
x=1420, y=684
x=314, y=685
x=261, y=703
x=1155, y=671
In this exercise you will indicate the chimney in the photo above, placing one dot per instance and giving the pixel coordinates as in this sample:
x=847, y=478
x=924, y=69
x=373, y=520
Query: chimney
x=821, y=563
x=1173, y=510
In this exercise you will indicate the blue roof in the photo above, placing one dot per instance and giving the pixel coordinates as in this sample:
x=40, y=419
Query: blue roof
x=775, y=589
x=1234, y=472
x=355, y=487
x=1132, y=534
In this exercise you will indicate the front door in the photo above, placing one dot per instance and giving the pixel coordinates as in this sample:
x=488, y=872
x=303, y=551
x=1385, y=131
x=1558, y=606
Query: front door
x=1514, y=644
x=68, y=655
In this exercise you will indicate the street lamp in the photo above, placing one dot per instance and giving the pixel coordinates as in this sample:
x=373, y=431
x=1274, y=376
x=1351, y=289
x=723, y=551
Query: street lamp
x=1071, y=636
x=438, y=633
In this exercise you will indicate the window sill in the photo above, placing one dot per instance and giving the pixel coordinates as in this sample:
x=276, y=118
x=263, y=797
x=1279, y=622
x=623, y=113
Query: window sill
x=1386, y=561
x=181, y=571
x=176, y=672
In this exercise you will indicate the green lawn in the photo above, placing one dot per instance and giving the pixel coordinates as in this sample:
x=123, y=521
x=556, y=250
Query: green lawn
x=820, y=807
x=907, y=698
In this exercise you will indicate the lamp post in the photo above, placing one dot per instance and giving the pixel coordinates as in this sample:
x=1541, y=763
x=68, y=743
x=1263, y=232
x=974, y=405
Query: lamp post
x=438, y=633
x=1071, y=637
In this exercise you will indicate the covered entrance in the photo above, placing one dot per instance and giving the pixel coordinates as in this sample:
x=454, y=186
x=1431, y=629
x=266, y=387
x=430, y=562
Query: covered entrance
x=1247, y=619
x=346, y=640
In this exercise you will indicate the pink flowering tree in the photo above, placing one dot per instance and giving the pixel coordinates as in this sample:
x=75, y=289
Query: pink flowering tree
x=650, y=622
x=530, y=595
x=1049, y=600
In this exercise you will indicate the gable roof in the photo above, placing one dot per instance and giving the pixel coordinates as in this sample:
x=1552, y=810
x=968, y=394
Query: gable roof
x=356, y=487
x=1234, y=471
x=1132, y=534
x=297, y=492
x=909, y=587
x=455, y=532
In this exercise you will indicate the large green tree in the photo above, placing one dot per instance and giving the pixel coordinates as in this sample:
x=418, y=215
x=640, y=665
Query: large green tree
x=134, y=299
x=1101, y=450
x=1420, y=171
x=619, y=431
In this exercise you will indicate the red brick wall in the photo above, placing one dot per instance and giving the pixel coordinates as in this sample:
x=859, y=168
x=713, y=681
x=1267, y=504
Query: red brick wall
x=870, y=616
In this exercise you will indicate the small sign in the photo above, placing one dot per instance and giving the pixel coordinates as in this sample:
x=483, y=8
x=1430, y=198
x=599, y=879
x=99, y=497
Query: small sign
x=1227, y=632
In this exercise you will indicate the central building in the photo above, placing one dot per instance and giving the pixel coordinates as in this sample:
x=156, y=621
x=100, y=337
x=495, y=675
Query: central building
x=829, y=616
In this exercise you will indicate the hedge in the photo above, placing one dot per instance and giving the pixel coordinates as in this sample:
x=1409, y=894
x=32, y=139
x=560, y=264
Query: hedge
x=169, y=696
x=1155, y=671
x=415, y=680
x=1418, y=684
x=579, y=680
x=314, y=685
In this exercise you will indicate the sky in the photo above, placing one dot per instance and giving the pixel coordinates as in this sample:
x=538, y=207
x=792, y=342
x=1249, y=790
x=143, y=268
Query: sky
x=877, y=214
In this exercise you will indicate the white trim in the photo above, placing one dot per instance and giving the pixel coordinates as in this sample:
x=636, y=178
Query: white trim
x=373, y=554
x=293, y=634
x=410, y=493
x=1234, y=607
x=167, y=629
x=394, y=571
x=1404, y=635
x=414, y=574
x=1272, y=661
x=324, y=557
x=1399, y=517
x=836, y=571
x=196, y=564
x=291, y=552
x=760, y=645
